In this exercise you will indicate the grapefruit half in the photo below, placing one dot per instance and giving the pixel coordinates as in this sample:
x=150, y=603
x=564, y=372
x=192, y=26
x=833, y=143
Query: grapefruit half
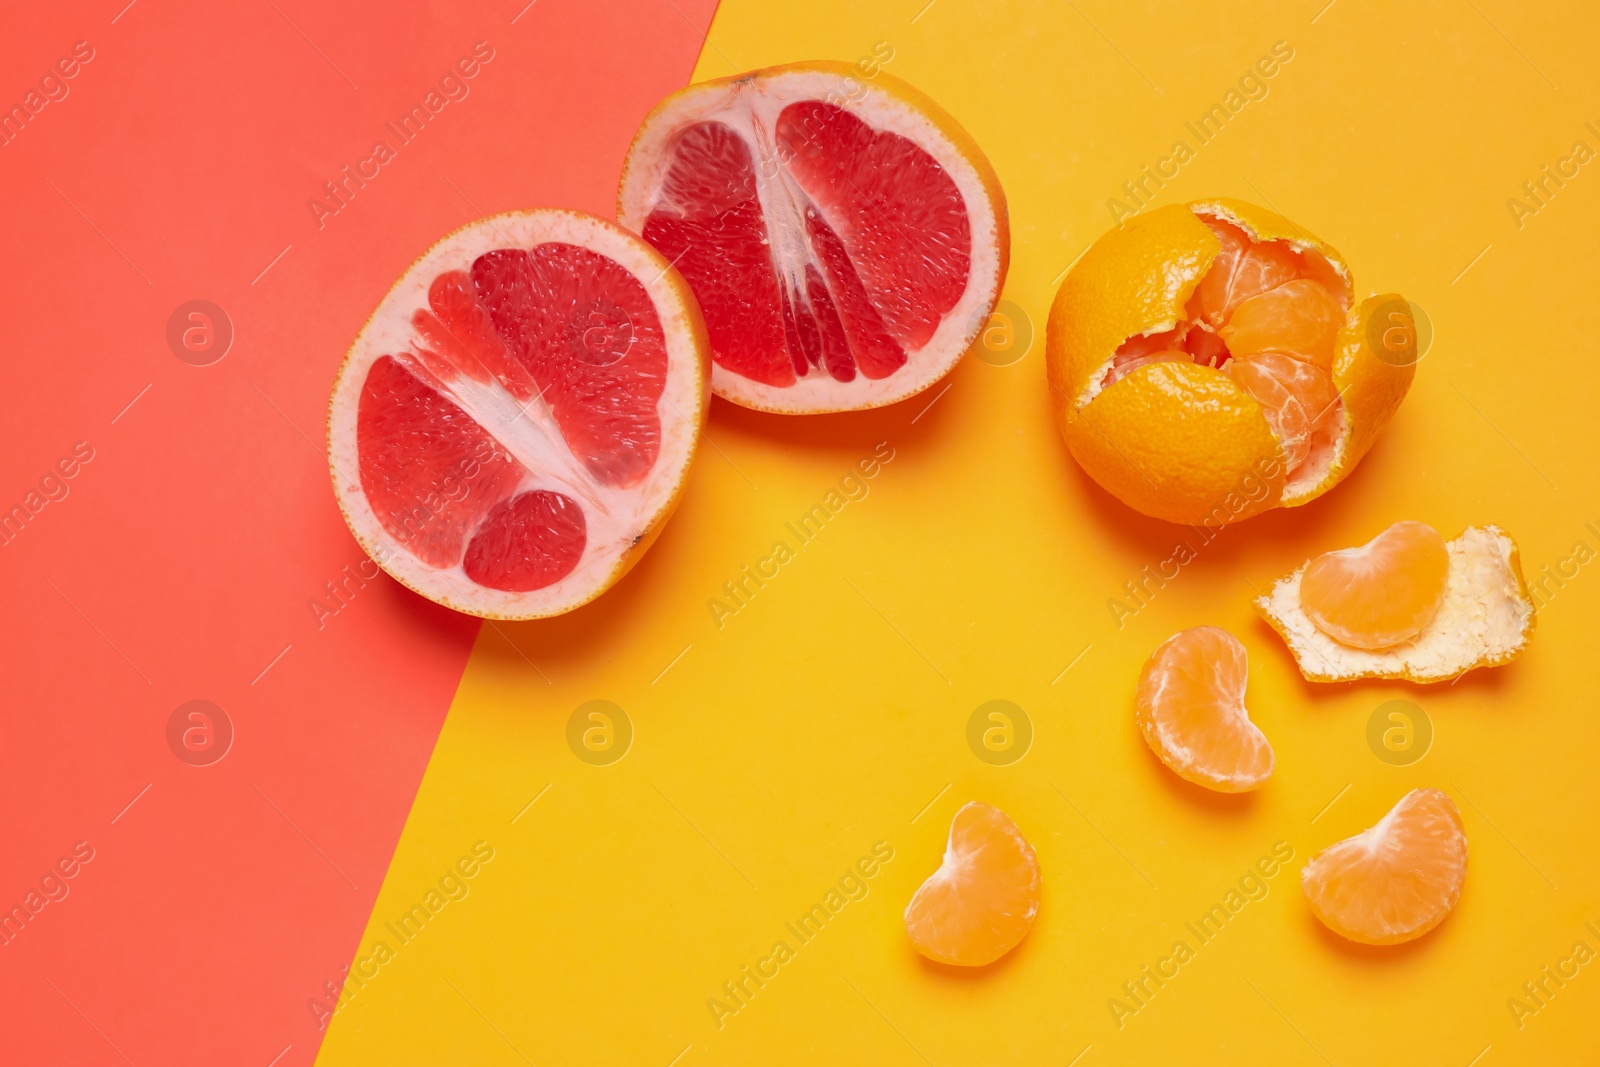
x=846, y=238
x=515, y=422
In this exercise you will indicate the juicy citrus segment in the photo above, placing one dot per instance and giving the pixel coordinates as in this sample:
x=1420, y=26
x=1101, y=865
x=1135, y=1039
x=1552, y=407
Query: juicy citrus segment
x=846, y=240
x=1299, y=317
x=514, y=423
x=1382, y=593
x=1395, y=881
x=1230, y=285
x=982, y=900
x=416, y=447
x=1484, y=618
x=1242, y=270
x=1295, y=396
x=587, y=334
x=1190, y=708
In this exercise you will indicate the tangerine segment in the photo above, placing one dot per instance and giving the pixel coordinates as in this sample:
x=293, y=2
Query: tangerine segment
x=1190, y=708
x=1299, y=317
x=1294, y=396
x=982, y=900
x=1381, y=594
x=1245, y=268
x=1395, y=881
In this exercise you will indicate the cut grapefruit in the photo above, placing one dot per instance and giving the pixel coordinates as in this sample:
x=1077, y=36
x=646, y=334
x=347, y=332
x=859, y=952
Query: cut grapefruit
x=1442, y=616
x=1207, y=362
x=846, y=239
x=515, y=422
x=1190, y=708
x=1395, y=881
x=982, y=900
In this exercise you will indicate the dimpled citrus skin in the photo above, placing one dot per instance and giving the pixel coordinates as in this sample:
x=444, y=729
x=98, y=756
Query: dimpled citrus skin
x=1217, y=461
x=1167, y=454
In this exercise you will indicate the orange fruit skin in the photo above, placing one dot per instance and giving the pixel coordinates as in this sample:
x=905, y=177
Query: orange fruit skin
x=1381, y=594
x=982, y=900
x=686, y=306
x=1189, y=706
x=1166, y=453
x=1396, y=881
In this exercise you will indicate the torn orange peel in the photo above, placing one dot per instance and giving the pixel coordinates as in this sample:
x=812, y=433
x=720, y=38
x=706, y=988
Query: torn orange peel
x=1198, y=440
x=1484, y=617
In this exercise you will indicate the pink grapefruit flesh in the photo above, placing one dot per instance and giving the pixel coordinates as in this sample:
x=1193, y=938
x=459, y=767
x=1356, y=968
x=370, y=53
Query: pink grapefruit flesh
x=514, y=423
x=845, y=239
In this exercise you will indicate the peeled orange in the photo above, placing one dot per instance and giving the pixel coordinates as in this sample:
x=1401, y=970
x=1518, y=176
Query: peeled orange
x=515, y=422
x=846, y=238
x=982, y=900
x=1408, y=604
x=1190, y=708
x=1395, y=881
x=1206, y=363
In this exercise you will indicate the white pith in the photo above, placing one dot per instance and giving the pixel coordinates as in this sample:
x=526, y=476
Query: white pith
x=750, y=107
x=616, y=519
x=1484, y=620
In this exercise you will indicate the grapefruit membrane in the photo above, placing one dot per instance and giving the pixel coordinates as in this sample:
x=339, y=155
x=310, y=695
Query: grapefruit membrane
x=514, y=423
x=846, y=239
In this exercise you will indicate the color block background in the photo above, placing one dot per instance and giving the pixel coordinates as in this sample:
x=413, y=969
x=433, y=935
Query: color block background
x=830, y=713
x=182, y=562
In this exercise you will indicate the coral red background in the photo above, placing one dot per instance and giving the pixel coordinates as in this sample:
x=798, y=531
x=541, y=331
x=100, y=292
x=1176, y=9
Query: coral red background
x=182, y=561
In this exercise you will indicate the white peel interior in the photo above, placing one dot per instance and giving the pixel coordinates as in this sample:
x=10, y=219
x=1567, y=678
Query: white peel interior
x=1485, y=619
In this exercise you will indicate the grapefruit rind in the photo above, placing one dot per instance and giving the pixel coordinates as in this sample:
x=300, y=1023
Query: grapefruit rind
x=1402, y=882
x=1485, y=620
x=635, y=516
x=885, y=103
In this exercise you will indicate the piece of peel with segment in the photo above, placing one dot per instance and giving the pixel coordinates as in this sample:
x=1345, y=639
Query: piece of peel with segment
x=1485, y=619
x=1156, y=408
x=846, y=238
x=515, y=422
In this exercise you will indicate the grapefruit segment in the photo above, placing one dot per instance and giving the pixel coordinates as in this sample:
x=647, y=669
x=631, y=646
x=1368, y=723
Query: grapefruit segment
x=515, y=422
x=1395, y=881
x=1190, y=708
x=846, y=239
x=982, y=900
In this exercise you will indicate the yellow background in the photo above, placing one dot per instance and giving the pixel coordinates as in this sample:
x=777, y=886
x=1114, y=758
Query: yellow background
x=829, y=712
